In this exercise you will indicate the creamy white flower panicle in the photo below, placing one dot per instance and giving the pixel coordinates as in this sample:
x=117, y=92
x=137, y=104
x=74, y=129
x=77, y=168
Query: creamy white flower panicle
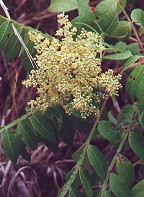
x=69, y=71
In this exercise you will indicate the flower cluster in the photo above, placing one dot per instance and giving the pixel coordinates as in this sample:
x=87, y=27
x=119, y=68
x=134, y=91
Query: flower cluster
x=69, y=71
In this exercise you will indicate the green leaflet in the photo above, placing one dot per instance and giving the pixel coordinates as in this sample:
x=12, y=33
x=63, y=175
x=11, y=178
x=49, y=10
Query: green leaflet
x=10, y=145
x=125, y=170
x=23, y=149
x=130, y=61
x=62, y=5
x=118, y=186
x=106, y=14
x=43, y=127
x=97, y=160
x=121, y=4
x=119, y=56
x=134, y=48
x=137, y=16
x=108, y=131
x=137, y=144
x=134, y=84
x=86, y=182
x=126, y=114
x=13, y=45
x=138, y=190
x=122, y=31
x=27, y=134
x=86, y=17
x=141, y=111
x=5, y=31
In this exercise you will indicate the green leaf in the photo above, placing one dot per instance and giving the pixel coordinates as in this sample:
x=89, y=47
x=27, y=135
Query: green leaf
x=137, y=144
x=119, y=56
x=139, y=91
x=120, y=46
x=108, y=131
x=134, y=80
x=97, y=160
x=138, y=190
x=122, y=31
x=126, y=115
x=43, y=127
x=23, y=149
x=10, y=145
x=62, y=5
x=125, y=170
x=141, y=111
x=5, y=31
x=134, y=48
x=74, y=192
x=27, y=134
x=13, y=45
x=118, y=186
x=141, y=106
x=112, y=118
x=86, y=17
x=86, y=183
x=141, y=31
x=56, y=112
x=130, y=61
x=121, y=5
x=106, y=14
x=137, y=16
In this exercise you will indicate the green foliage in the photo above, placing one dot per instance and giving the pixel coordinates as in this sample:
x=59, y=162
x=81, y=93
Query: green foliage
x=138, y=190
x=97, y=160
x=137, y=144
x=108, y=131
x=119, y=56
x=26, y=133
x=135, y=82
x=86, y=182
x=118, y=186
x=122, y=31
x=10, y=145
x=10, y=43
x=125, y=170
x=62, y=6
x=120, y=128
x=137, y=16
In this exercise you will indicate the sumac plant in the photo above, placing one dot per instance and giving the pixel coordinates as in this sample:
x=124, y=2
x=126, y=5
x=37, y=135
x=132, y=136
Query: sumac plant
x=89, y=77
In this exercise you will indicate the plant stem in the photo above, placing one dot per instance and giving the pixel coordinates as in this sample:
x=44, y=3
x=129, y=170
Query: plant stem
x=114, y=161
x=96, y=122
